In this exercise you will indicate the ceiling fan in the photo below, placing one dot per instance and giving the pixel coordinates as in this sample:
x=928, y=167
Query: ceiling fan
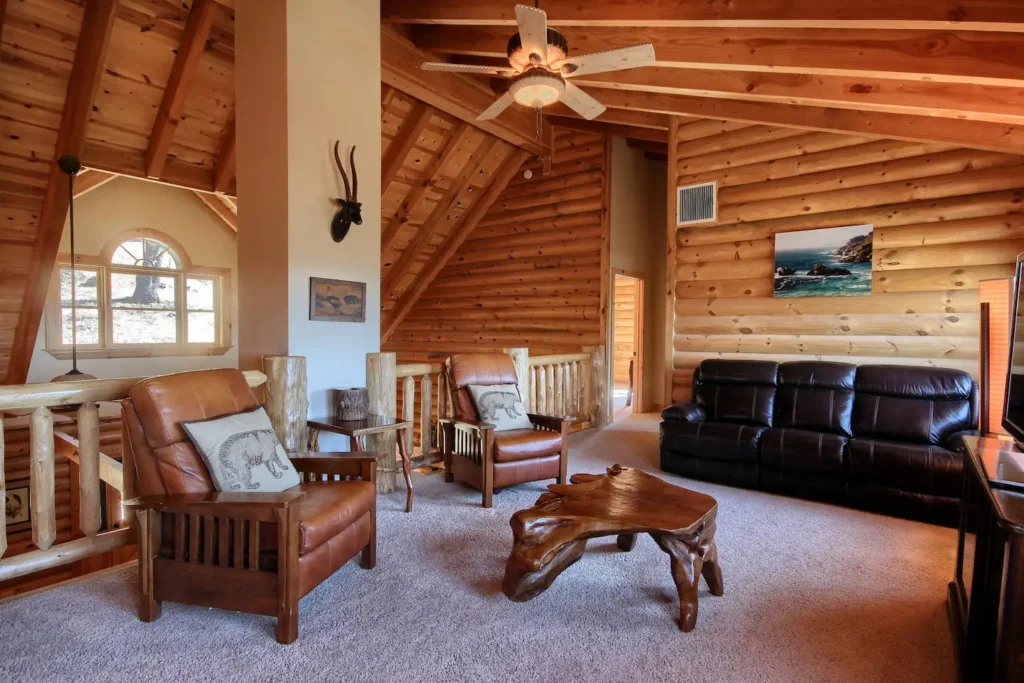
x=542, y=70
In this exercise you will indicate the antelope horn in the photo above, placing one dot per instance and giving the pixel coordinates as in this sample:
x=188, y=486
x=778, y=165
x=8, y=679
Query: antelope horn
x=344, y=178
x=355, y=176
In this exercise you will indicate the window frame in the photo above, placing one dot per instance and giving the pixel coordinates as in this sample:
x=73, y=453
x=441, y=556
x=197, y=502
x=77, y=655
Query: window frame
x=104, y=267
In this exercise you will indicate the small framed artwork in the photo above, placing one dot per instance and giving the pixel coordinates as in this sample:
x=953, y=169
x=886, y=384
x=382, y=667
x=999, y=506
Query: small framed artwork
x=17, y=508
x=339, y=301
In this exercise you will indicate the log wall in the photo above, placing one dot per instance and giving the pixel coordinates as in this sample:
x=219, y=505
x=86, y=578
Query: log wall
x=534, y=271
x=623, y=329
x=944, y=219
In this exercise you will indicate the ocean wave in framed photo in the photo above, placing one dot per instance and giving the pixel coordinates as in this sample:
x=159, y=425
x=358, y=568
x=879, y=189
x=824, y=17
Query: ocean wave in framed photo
x=825, y=262
x=339, y=301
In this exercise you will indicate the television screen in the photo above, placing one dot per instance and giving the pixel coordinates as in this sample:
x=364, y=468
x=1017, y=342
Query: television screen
x=1013, y=416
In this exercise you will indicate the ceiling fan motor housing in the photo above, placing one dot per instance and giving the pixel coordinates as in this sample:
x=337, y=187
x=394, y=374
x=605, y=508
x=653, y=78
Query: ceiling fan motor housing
x=558, y=49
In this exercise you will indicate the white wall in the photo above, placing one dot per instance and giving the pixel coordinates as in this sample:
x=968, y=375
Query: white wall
x=333, y=93
x=125, y=204
x=638, y=245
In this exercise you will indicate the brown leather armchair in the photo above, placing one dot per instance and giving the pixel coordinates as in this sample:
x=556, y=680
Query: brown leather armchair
x=477, y=455
x=251, y=552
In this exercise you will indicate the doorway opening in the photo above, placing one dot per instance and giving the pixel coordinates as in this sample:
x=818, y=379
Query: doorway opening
x=627, y=343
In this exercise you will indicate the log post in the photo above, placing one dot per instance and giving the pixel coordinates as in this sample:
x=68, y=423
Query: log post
x=426, y=414
x=521, y=360
x=542, y=391
x=574, y=383
x=596, y=387
x=89, y=469
x=442, y=397
x=287, y=401
x=549, y=385
x=3, y=490
x=44, y=518
x=409, y=410
x=382, y=383
x=559, y=391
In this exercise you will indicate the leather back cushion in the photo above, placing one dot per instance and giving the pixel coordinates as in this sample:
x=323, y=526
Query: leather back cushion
x=477, y=368
x=737, y=391
x=917, y=404
x=816, y=396
x=165, y=459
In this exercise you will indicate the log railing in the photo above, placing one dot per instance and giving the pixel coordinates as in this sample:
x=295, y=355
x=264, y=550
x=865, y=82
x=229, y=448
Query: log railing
x=567, y=384
x=81, y=398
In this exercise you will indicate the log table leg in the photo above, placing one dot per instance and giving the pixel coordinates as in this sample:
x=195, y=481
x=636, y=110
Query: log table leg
x=626, y=542
x=403, y=451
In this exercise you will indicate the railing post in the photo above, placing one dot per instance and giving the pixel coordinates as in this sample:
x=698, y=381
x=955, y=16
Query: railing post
x=287, y=402
x=44, y=520
x=426, y=415
x=89, y=468
x=521, y=360
x=409, y=410
x=597, y=387
x=382, y=386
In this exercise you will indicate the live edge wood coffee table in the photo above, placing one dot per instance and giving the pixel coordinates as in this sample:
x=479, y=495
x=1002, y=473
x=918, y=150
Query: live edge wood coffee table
x=625, y=502
x=357, y=430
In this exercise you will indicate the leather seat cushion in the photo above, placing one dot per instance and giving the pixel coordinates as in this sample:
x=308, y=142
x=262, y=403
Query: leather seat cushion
x=523, y=471
x=712, y=440
x=327, y=509
x=524, y=444
x=906, y=466
x=803, y=451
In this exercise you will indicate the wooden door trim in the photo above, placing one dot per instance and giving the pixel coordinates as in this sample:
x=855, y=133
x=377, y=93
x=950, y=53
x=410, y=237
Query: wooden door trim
x=638, y=335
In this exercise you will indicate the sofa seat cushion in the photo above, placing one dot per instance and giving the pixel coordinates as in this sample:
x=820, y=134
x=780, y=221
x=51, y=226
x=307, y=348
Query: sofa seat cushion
x=328, y=508
x=803, y=451
x=915, y=468
x=524, y=444
x=712, y=440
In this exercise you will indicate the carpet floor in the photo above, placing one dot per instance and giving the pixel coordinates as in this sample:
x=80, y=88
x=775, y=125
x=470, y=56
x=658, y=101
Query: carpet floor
x=812, y=593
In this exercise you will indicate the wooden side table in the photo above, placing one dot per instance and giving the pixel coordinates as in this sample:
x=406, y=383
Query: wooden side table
x=357, y=430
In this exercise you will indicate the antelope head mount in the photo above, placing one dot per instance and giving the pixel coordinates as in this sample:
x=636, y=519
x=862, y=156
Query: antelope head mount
x=349, y=208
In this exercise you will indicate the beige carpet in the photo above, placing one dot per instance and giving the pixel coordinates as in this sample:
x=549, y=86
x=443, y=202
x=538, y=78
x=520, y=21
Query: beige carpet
x=812, y=593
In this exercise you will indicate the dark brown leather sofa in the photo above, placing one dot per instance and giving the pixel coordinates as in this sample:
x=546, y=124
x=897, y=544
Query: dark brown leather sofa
x=879, y=437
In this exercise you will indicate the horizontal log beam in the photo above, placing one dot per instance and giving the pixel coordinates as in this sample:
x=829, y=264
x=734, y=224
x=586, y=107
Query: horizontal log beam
x=976, y=15
x=997, y=137
x=955, y=56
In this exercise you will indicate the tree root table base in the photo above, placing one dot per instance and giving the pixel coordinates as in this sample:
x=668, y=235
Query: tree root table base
x=552, y=534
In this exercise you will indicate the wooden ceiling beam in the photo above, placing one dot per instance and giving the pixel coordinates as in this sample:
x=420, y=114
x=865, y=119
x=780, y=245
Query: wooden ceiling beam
x=103, y=157
x=90, y=56
x=941, y=56
x=456, y=94
x=408, y=133
x=224, y=171
x=960, y=101
x=90, y=179
x=975, y=134
x=973, y=15
x=431, y=226
x=219, y=208
x=186, y=64
x=610, y=129
x=446, y=251
x=428, y=179
x=648, y=146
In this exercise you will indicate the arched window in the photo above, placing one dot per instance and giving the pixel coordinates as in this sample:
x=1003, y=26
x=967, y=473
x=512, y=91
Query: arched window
x=141, y=297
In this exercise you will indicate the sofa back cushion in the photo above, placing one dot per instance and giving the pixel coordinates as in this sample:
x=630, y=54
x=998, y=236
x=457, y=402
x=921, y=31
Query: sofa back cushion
x=737, y=390
x=917, y=404
x=816, y=396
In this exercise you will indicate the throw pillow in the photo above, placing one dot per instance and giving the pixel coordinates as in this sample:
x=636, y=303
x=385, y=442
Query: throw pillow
x=243, y=453
x=499, y=404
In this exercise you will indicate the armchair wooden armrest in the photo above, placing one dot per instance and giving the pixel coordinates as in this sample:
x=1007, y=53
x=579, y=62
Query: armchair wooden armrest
x=234, y=505
x=478, y=425
x=552, y=422
x=315, y=466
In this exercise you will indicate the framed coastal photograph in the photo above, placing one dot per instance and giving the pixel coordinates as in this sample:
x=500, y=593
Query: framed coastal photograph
x=339, y=301
x=17, y=508
x=826, y=262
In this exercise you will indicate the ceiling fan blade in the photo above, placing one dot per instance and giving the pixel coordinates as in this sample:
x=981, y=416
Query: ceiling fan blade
x=609, y=60
x=500, y=105
x=478, y=69
x=581, y=103
x=533, y=32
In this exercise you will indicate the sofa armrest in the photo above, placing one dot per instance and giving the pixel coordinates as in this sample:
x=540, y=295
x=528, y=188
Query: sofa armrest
x=684, y=412
x=954, y=443
x=362, y=464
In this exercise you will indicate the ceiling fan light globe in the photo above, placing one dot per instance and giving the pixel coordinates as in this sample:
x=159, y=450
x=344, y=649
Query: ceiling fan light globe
x=538, y=89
